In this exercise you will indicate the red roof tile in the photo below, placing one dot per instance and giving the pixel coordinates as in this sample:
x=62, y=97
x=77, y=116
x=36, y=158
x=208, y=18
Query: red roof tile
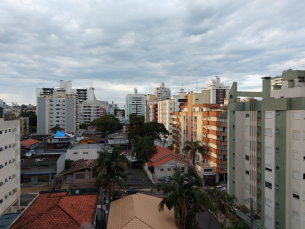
x=58, y=210
x=169, y=158
x=28, y=142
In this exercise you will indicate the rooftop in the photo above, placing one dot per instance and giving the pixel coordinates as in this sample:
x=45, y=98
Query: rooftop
x=58, y=210
x=28, y=142
x=139, y=211
x=7, y=219
x=118, y=134
x=88, y=146
x=79, y=165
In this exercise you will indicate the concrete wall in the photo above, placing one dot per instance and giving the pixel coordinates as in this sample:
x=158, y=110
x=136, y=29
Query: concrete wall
x=70, y=114
x=92, y=154
x=41, y=116
x=60, y=164
x=169, y=165
x=87, y=178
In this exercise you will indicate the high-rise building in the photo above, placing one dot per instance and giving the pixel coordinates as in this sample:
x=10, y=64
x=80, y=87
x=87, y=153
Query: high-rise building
x=135, y=104
x=24, y=126
x=266, y=150
x=9, y=163
x=151, y=109
x=218, y=92
x=162, y=93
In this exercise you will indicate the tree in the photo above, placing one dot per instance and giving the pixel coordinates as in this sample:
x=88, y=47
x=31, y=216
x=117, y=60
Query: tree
x=111, y=168
x=156, y=130
x=56, y=128
x=184, y=195
x=68, y=164
x=106, y=124
x=83, y=126
x=192, y=147
x=23, y=106
x=136, y=128
x=144, y=149
x=226, y=205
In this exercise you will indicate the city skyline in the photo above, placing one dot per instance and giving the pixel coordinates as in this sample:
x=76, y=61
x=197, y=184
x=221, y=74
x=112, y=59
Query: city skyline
x=116, y=46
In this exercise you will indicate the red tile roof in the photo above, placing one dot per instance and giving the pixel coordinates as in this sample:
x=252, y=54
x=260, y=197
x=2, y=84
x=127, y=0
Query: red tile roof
x=164, y=155
x=28, y=142
x=58, y=210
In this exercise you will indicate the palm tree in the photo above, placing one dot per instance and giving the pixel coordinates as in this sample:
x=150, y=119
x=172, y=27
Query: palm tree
x=192, y=147
x=112, y=166
x=184, y=195
x=144, y=149
x=226, y=204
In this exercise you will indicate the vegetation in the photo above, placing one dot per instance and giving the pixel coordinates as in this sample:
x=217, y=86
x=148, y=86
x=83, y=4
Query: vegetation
x=184, y=196
x=106, y=124
x=192, y=147
x=68, y=164
x=144, y=149
x=155, y=130
x=110, y=170
x=136, y=128
x=56, y=128
x=83, y=126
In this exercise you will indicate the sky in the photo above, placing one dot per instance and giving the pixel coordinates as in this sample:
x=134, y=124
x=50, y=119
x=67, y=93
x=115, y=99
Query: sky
x=117, y=45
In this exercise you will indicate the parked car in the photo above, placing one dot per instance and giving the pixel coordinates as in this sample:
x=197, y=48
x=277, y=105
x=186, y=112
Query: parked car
x=166, y=181
x=132, y=190
x=221, y=188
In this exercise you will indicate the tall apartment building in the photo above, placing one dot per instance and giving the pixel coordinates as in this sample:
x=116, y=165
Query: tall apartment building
x=266, y=150
x=162, y=93
x=135, y=104
x=151, y=109
x=218, y=92
x=9, y=163
x=165, y=116
x=111, y=108
x=24, y=126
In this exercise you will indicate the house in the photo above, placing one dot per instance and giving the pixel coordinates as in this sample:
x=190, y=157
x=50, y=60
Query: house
x=41, y=168
x=119, y=138
x=139, y=211
x=59, y=209
x=29, y=144
x=80, y=172
x=163, y=164
x=60, y=138
x=84, y=151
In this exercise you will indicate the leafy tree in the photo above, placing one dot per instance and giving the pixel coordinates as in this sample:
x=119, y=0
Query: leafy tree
x=155, y=130
x=68, y=163
x=234, y=225
x=192, y=147
x=23, y=106
x=144, y=149
x=136, y=128
x=56, y=128
x=83, y=126
x=226, y=205
x=184, y=195
x=111, y=168
x=106, y=124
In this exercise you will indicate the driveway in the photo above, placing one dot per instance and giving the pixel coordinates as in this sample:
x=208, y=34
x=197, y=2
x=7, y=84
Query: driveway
x=138, y=177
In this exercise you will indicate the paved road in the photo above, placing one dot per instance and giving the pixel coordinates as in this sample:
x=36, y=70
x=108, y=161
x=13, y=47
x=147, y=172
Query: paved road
x=137, y=176
x=25, y=199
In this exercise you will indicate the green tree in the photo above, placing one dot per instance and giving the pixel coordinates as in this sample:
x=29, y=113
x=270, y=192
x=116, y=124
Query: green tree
x=226, y=205
x=136, y=128
x=23, y=106
x=56, y=128
x=192, y=147
x=111, y=168
x=32, y=119
x=106, y=124
x=156, y=130
x=144, y=149
x=68, y=163
x=184, y=195
x=83, y=126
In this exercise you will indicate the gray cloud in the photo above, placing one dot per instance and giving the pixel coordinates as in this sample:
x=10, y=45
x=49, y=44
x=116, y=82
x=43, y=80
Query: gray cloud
x=119, y=45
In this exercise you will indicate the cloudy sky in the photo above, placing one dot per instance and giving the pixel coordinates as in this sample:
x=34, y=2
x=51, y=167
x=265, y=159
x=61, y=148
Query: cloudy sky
x=116, y=45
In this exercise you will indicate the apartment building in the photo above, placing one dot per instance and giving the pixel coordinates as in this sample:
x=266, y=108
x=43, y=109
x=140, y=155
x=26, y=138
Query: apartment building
x=165, y=116
x=266, y=150
x=111, y=108
x=217, y=90
x=9, y=163
x=151, y=109
x=162, y=93
x=135, y=104
x=24, y=127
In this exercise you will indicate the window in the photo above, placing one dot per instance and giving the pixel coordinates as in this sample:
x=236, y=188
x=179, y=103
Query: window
x=9, y=130
x=268, y=149
x=75, y=153
x=80, y=176
x=247, y=115
x=169, y=169
x=268, y=184
x=268, y=167
x=296, y=115
x=247, y=172
x=247, y=157
x=296, y=175
x=5, y=131
x=268, y=115
x=161, y=170
x=296, y=155
x=268, y=132
x=277, y=168
x=0, y=131
x=296, y=135
x=277, y=224
x=268, y=202
x=85, y=152
x=295, y=195
x=295, y=215
x=247, y=186
x=182, y=169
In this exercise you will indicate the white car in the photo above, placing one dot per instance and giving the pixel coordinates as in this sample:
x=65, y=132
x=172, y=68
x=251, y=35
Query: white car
x=221, y=188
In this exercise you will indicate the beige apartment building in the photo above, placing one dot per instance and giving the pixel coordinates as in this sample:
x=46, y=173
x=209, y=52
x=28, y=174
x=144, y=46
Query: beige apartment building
x=9, y=163
x=151, y=109
x=24, y=126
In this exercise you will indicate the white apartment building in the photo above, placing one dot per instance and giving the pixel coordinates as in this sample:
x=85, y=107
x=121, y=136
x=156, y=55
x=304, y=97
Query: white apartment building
x=111, y=108
x=266, y=151
x=151, y=109
x=162, y=93
x=135, y=104
x=165, y=116
x=9, y=164
x=218, y=92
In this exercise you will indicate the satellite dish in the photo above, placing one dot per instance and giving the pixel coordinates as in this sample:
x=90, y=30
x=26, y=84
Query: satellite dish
x=76, y=191
x=86, y=225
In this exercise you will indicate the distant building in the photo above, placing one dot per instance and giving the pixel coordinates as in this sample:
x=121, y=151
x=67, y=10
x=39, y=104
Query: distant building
x=9, y=163
x=218, y=92
x=119, y=139
x=24, y=127
x=151, y=109
x=135, y=104
x=111, y=108
x=84, y=151
x=162, y=93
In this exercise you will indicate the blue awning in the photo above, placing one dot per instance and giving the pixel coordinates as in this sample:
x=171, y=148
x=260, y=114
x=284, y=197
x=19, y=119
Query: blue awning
x=59, y=134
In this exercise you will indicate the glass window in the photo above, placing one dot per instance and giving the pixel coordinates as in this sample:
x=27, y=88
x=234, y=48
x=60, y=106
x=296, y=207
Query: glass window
x=80, y=176
x=268, y=184
x=268, y=202
x=295, y=215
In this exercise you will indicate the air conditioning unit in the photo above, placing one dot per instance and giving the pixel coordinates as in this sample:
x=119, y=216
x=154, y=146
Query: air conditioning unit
x=14, y=144
x=15, y=190
x=277, y=131
x=14, y=175
x=1, y=183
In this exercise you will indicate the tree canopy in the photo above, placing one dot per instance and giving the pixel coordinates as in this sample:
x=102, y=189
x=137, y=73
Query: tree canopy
x=192, y=147
x=56, y=128
x=144, y=149
x=107, y=124
x=155, y=130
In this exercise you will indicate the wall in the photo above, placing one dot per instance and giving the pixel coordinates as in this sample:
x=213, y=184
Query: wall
x=60, y=164
x=70, y=115
x=87, y=178
x=169, y=165
x=92, y=154
x=41, y=116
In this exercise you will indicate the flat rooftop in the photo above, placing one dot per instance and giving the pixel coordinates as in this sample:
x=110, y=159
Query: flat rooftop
x=88, y=146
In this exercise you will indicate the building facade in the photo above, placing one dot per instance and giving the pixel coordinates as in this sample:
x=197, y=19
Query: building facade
x=266, y=150
x=24, y=127
x=151, y=109
x=165, y=116
x=162, y=93
x=218, y=92
x=9, y=164
x=135, y=104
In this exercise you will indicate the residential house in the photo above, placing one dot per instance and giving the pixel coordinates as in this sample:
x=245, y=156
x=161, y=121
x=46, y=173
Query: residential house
x=84, y=151
x=120, y=139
